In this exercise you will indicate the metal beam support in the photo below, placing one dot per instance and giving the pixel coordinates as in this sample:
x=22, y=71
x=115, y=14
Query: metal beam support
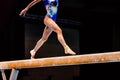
x=3, y=74
x=14, y=74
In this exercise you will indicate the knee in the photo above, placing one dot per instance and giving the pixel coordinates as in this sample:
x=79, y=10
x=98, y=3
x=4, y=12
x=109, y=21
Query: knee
x=44, y=39
x=59, y=31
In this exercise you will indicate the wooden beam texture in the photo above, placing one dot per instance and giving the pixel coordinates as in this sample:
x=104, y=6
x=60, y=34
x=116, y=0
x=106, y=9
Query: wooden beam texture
x=62, y=61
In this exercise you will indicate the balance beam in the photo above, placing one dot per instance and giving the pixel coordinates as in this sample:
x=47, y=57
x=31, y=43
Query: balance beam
x=62, y=61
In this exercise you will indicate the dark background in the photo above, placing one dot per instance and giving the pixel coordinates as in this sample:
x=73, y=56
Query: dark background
x=98, y=25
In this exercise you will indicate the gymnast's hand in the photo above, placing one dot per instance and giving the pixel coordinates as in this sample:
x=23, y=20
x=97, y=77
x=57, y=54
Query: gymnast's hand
x=23, y=12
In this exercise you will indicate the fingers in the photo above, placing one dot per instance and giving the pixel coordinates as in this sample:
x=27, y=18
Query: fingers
x=23, y=12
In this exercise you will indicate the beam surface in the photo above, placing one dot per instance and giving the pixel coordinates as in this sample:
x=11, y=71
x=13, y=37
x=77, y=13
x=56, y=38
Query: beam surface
x=62, y=61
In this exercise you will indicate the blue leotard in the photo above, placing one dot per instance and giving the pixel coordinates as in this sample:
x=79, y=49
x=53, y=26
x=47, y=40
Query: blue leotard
x=51, y=8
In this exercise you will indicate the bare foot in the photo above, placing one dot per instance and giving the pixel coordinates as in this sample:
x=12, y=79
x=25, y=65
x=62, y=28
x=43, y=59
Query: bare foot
x=32, y=52
x=69, y=51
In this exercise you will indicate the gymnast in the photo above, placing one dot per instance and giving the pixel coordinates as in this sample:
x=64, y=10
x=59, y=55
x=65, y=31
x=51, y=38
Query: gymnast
x=51, y=7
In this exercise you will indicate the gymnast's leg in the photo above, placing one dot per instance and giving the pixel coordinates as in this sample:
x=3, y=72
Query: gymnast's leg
x=46, y=33
x=52, y=25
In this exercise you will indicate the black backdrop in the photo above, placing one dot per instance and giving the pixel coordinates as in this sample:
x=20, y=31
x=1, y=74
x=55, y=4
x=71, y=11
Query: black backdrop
x=99, y=32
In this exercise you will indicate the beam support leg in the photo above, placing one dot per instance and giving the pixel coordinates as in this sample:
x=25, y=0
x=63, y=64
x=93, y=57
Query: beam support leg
x=14, y=74
x=3, y=74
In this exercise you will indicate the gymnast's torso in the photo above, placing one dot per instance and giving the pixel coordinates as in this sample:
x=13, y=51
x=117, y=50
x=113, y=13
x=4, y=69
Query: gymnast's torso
x=51, y=8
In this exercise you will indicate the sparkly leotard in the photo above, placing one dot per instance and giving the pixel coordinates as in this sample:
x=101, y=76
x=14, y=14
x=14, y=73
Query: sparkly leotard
x=52, y=8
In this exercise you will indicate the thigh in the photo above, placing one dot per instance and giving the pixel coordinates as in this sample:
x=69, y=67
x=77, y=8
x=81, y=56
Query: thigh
x=51, y=24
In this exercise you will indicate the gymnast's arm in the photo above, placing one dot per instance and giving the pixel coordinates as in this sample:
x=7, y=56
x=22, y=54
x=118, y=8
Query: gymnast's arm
x=23, y=12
